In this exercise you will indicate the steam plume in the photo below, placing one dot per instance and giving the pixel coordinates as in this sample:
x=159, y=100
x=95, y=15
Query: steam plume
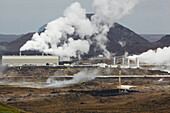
x=80, y=77
x=158, y=57
x=57, y=38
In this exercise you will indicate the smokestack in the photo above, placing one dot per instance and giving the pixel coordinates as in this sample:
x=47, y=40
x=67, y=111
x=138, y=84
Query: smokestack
x=137, y=62
x=78, y=55
x=128, y=62
x=20, y=53
x=114, y=61
x=42, y=53
x=123, y=61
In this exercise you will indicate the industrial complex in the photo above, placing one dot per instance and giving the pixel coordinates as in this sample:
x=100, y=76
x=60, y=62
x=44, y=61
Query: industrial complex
x=45, y=60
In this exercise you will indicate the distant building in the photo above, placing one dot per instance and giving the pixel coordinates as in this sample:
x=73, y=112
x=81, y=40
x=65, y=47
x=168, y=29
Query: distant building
x=30, y=60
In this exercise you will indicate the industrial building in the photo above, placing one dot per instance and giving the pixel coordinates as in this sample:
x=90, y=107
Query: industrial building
x=45, y=60
x=30, y=60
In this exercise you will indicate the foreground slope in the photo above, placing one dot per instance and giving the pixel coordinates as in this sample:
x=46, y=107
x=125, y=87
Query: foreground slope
x=99, y=95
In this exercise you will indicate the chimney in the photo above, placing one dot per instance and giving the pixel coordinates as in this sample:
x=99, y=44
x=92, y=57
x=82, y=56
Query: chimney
x=137, y=62
x=20, y=53
x=123, y=61
x=128, y=62
x=42, y=53
x=114, y=61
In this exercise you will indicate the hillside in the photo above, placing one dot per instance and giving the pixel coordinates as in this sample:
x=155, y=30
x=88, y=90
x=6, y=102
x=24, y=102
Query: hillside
x=123, y=39
x=152, y=37
x=8, y=38
x=8, y=109
x=164, y=40
x=14, y=46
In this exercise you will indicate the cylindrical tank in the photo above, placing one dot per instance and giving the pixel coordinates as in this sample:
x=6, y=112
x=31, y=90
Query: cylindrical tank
x=137, y=62
x=128, y=62
x=123, y=61
x=114, y=61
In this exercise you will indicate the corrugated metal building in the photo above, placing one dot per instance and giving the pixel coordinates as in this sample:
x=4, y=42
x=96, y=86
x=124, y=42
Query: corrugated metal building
x=30, y=60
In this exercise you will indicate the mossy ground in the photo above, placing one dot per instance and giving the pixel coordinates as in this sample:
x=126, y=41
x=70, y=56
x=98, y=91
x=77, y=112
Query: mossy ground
x=8, y=109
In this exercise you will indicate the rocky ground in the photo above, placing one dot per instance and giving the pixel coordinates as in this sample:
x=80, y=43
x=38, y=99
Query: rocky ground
x=99, y=95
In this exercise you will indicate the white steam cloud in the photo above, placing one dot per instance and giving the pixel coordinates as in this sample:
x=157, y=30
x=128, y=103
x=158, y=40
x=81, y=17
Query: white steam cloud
x=158, y=57
x=57, y=38
x=80, y=77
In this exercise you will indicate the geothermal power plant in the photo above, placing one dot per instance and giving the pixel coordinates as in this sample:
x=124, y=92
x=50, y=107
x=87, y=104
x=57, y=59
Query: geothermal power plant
x=89, y=63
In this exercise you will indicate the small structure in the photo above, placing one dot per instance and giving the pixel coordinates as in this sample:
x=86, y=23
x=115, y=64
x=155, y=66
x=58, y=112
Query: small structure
x=124, y=88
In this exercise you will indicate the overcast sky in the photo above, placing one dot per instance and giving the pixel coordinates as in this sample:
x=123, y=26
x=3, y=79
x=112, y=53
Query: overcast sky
x=23, y=16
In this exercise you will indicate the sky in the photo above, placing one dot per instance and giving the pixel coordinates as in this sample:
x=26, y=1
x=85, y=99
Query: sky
x=23, y=16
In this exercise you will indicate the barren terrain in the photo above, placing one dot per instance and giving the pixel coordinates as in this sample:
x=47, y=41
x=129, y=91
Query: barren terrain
x=99, y=95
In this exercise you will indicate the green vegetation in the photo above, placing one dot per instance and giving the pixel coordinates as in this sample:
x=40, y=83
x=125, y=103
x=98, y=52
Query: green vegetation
x=8, y=109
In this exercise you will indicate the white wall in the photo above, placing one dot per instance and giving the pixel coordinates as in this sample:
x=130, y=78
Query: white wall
x=29, y=60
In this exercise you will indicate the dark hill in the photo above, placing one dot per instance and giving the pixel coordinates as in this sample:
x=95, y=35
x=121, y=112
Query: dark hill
x=14, y=46
x=152, y=37
x=164, y=41
x=123, y=39
x=8, y=38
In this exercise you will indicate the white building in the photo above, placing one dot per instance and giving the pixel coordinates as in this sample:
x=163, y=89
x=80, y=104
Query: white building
x=30, y=60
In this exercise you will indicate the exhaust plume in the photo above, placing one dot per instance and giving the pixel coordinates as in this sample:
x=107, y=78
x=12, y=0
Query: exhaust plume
x=57, y=38
x=158, y=57
x=80, y=77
